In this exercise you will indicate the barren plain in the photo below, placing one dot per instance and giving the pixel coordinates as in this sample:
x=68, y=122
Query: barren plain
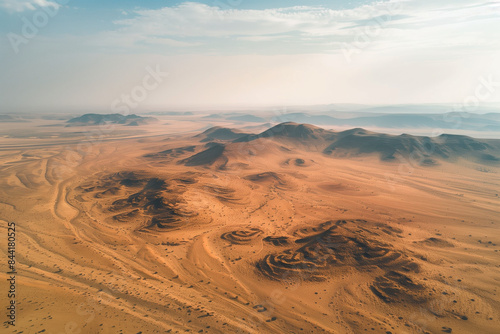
x=168, y=228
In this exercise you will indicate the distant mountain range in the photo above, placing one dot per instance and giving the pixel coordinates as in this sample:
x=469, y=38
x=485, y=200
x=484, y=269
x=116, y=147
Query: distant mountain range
x=96, y=119
x=10, y=119
x=288, y=136
x=171, y=113
x=451, y=120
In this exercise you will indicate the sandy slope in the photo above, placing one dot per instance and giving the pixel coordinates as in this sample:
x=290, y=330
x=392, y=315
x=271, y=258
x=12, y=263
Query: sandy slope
x=242, y=249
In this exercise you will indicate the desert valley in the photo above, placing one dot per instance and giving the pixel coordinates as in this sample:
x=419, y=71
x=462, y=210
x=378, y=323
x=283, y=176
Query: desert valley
x=179, y=223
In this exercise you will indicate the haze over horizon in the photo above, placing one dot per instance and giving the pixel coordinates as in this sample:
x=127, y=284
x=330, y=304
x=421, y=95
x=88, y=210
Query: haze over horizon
x=86, y=54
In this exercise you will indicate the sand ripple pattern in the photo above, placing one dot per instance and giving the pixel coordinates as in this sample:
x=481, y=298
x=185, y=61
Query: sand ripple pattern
x=270, y=178
x=397, y=287
x=135, y=196
x=333, y=245
x=242, y=237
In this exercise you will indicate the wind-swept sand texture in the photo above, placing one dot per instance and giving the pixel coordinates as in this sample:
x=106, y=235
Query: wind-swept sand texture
x=147, y=234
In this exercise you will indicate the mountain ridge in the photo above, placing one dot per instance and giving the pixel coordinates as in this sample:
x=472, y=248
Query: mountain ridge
x=97, y=119
x=231, y=144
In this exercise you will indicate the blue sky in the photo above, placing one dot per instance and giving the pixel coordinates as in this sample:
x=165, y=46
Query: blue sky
x=58, y=54
x=84, y=16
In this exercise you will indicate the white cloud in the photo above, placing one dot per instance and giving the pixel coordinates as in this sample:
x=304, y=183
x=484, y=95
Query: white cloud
x=264, y=38
x=23, y=5
x=196, y=19
x=458, y=23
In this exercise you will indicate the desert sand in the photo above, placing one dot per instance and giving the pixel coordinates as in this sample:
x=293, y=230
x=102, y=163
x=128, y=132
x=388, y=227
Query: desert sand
x=161, y=229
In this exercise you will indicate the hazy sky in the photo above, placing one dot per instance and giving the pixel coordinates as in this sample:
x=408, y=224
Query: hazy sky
x=86, y=53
